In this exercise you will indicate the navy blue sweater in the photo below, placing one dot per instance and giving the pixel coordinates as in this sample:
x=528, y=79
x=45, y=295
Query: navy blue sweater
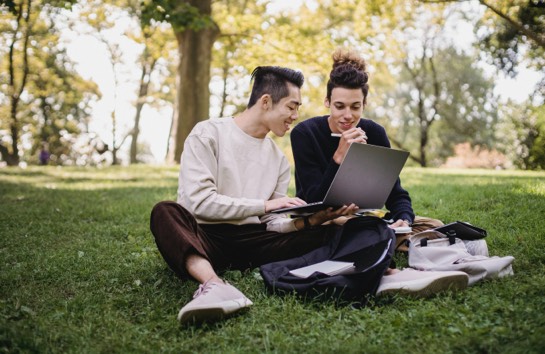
x=313, y=150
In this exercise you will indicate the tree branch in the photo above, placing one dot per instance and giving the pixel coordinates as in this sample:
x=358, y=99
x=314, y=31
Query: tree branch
x=400, y=145
x=435, y=90
x=518, y=26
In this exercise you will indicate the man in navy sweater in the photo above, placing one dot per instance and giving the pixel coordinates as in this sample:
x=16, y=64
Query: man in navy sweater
x=318, y=155
x=314, y=150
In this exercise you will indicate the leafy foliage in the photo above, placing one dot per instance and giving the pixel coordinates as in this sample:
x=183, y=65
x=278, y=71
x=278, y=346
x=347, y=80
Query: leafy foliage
x=524, y=129
x=53, y=106
x=57, y=103
x=506, y=40
x=181, y=15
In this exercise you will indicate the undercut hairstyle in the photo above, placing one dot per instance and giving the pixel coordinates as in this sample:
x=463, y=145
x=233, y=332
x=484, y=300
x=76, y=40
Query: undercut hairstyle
x=273, y=80
x=349, y=71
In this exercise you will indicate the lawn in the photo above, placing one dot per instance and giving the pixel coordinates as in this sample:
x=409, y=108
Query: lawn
x=80, y=273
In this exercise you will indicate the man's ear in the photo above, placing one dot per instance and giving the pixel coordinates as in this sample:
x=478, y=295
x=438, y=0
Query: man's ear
x=326, y=102
x=266, y=101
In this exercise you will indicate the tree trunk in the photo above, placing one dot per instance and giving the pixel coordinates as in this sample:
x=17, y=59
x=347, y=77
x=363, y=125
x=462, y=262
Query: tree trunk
x=12, y=158
x=423, y=125
x=423, y=144
x=193, y=93
x=142, y=94
x=169, y=157
x=114, y=130
x=225, y=76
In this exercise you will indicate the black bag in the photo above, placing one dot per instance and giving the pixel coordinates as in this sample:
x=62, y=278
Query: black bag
x=366, y=241
x=462, y=230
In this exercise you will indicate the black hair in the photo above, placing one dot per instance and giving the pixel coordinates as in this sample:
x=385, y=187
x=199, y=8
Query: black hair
x=348, y=72
x=273, y=80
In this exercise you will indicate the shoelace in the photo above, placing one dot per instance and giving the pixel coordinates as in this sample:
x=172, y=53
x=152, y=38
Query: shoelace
x=203, y=289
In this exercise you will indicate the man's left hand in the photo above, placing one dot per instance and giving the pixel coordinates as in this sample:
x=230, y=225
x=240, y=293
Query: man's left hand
x=400, y=223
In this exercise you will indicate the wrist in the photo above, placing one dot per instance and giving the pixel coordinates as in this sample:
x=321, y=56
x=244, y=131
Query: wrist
x=306, y=222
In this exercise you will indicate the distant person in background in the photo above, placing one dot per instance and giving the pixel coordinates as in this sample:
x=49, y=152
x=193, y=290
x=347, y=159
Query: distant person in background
x=44, y=154
x=318, y=154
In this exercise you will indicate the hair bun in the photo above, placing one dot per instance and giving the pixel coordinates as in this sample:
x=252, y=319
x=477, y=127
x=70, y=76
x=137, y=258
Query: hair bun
x=341, y=57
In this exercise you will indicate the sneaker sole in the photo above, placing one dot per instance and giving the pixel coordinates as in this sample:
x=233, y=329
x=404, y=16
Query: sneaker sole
x=421, y=288
x=219, y=311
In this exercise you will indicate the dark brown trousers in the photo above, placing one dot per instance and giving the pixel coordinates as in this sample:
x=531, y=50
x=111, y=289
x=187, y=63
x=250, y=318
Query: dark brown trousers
x=227, y=246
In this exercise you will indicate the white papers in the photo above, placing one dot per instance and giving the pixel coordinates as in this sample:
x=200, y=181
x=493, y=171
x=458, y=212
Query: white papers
x=325, y=267
x=403, y=229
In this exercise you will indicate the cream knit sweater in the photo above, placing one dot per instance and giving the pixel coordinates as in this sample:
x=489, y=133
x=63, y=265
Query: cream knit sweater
x=227, y=175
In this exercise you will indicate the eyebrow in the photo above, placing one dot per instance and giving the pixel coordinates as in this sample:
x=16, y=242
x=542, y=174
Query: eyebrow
x=347, y=104
x=296, y=102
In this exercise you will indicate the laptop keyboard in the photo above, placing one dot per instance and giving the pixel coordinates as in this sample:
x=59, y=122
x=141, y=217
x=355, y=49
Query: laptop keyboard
x=299, y=206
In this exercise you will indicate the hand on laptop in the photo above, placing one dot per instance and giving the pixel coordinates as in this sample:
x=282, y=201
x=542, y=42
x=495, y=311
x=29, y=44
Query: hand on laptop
x=284, y=202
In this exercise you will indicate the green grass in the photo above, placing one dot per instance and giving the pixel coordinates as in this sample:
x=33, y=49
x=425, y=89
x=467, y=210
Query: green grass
x=80, y=273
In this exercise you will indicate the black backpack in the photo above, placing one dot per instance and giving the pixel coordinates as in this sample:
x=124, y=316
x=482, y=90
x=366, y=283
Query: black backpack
x=366, y=241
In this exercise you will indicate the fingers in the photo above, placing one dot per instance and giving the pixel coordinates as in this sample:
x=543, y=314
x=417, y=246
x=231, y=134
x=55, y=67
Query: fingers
x=330, y=213
x=299, y=201
x=398, y=223
x=289, y=202
x=355, y=135
x=359, y=140
x=284, y=202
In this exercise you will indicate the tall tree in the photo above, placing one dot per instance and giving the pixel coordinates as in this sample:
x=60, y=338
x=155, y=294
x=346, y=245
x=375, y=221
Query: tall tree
x=195, y=33
x=439, y=88
x=102, y=19
x=443, y=99
x=158, y=51
x=236, y=51
x=61, y=105
x=18, y=45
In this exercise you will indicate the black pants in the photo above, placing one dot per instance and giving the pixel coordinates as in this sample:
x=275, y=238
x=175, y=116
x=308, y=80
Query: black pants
x=177, y=235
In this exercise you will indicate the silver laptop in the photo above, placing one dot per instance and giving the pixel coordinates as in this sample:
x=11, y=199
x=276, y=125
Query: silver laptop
x=365, y=177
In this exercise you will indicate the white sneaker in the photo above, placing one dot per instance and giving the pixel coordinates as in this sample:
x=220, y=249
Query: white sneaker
x=213, y=301
x=422, y=283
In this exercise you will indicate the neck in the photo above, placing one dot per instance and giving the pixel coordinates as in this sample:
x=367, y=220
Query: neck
x=250, y=122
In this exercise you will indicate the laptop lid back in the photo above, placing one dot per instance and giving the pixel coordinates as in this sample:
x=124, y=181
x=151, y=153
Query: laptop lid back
x=366, y=176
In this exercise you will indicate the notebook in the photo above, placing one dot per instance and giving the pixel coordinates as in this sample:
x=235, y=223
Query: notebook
x=326, y=267
x=365, y=177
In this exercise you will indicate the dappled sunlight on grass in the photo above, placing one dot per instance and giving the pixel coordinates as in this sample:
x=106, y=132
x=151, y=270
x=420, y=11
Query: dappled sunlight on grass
x=414, y=176
x=80, y=178
x=473, y=172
